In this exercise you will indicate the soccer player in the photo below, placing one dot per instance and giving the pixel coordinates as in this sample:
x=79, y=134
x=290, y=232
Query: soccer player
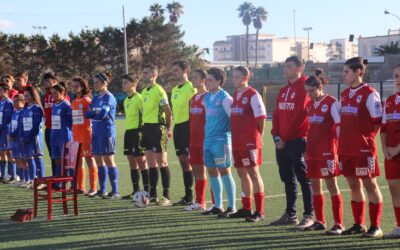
x=102, y=112
x=6, y=111
x=21, y=82
x=31, y=133
x=321, y=152
x=61, y=125
x=49, y=80
x=180, y=100
x=248, y=116
x=360, y=120
x=289, y=129
x=82, y=133
x=217, y=142
x=133, y=105
x=197, y=122
x=15, y=135
x=390, y=140
x=156, y=130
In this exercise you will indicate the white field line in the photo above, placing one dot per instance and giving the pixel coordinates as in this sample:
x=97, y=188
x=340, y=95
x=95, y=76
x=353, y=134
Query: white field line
x=59, y=217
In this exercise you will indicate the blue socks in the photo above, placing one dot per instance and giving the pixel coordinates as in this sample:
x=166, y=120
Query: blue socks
x=103, y=173
x=32, y=168
x=20, y=173
x=12, y=169
x=26, y=175
x=113, y=174
x=40, y=172
x=216, y=186
x=230, y=187
x=3, y=168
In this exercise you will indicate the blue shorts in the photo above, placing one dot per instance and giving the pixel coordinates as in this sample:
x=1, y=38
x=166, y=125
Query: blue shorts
x=103, y=145
x=56, y=151
x=33, y=148
x=17, y=149
x=4, y=140
x=217, y=153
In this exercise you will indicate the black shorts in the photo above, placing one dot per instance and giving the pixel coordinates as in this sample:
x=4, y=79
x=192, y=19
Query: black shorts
x=154, y=137
x=132, y=142
x=182, y=138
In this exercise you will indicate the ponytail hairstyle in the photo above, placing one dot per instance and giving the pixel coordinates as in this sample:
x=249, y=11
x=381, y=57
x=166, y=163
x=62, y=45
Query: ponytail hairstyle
x=357, y=63
x=104, y=77
x=202, y=73
x=218, y=75
x=61, y=88
x=245, y=71
x=84, y=85
x=35, y=95
x=317, y=80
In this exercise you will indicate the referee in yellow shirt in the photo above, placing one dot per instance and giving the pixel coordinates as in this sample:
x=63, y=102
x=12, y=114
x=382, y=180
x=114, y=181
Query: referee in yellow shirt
x=181, y=95
x=156, y=125
x=133, y=105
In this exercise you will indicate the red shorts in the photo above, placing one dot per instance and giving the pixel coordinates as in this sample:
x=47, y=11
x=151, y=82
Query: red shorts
x=247, y=158
x=86, y=150
x=359, y=166
x=392, y=169
x=322, y=169
x=196, y=155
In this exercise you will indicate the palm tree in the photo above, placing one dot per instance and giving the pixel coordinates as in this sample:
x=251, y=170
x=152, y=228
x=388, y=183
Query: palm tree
x=156, y=10
x=260, y=16
x=245, y=11
x=391, y=48
x=175, y=10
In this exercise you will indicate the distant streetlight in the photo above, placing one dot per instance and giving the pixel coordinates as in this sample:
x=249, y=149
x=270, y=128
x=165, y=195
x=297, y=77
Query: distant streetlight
x=308, y=29
x=40, y=28
x=388, y=13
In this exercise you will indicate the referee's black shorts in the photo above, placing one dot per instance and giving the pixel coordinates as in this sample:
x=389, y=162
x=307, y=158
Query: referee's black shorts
x=154, y=137
x=182, y=138
x=132, y=140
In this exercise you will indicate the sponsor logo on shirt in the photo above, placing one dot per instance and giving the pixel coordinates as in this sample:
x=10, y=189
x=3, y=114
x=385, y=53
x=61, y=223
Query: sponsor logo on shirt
x=286, y=106
x=393, y=116
x=315, y=119
x=349, y=110
x=237, y=110
x=196, y=110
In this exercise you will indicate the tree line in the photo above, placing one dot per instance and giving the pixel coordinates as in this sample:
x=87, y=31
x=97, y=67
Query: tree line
x=155, y=39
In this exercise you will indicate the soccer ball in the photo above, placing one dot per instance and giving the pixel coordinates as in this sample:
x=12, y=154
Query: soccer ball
x=141, y=199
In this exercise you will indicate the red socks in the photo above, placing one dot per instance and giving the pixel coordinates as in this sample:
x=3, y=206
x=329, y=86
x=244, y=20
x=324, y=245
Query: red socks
x=397, y=214
x=259, y=200
x=358, y=209
x=200, y=188
x=337, y=208
x=212, y=197
x=246, y=203
x=375, y=213
x=318, y=202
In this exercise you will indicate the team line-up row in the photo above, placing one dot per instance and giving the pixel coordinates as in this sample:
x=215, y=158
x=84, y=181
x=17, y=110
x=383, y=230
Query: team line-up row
x=213, y=131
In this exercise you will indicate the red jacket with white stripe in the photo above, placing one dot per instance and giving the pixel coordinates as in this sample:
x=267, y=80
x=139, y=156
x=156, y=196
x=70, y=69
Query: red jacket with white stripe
x=289, y=120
